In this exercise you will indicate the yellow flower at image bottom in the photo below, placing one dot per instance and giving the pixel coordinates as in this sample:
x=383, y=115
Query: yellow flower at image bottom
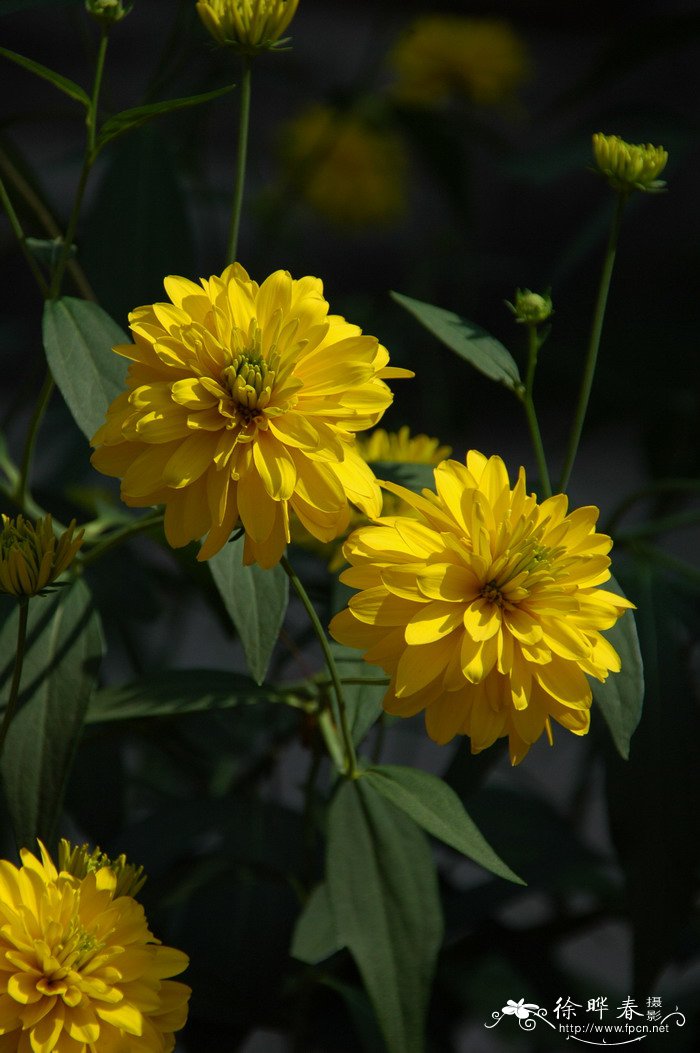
x=242, y=403
x=80, y=972
x=484, y=610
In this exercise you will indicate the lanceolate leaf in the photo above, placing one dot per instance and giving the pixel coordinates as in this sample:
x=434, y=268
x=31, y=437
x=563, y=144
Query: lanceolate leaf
x=256, y=600
x=178, y=691
x=64, y=84
x=621, y=696
x=129, y=119
x=470, y=342
x=315, y=936
x=64, y=648
x=436, y=807
x=384, y=898
x=78, y=340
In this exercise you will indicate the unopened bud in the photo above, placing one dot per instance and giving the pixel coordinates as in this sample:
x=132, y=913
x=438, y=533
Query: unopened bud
x=530, y=308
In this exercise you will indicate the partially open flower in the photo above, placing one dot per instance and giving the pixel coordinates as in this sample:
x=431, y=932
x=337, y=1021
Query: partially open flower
x=81, y=971
x=247, y=25
x=628, y=167
x=31, y=556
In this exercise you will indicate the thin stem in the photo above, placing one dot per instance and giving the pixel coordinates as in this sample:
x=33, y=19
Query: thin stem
x=123, y=534
x=531, y=415
x=17, y=673
x=21, y=238
x=593, y=344
x=350, y=758
x=241, y=158
x=20, y=495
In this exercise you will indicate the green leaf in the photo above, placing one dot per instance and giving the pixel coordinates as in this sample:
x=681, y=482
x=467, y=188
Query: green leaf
x=178, y=691
x=78, y=340
x=363, y=701
x=256, y=600
x=315, y=936
x=436, y=807
x=470, y=342
x=64, y=648
x=384, y=897
x=621, y=696
x=68, y=87
x=134, y=118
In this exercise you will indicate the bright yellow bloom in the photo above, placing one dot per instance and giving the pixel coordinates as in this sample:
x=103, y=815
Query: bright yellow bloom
x=247, y=25
x=80, y=860
x=485, y=612
x=32, y=557
x=629, y=167
x=80, y=971
x=446, y=56
x=349, y=170
x=243, y=401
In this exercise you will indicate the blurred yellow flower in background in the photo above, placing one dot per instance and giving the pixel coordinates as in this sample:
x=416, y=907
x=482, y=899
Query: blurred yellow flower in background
x=628, y=167
x=347, y=169
x=247, y=25
x=441, y=57
x=243, y=401
x=485, y=611
x=81, y=970
x=31, y=556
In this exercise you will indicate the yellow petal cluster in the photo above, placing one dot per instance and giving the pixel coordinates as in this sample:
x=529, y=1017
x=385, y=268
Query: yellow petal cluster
x=247, y=25
x=485, y=610
x=348, y=170
x=80, y=971
x=242, y=403
x=442, y=57
x=628, y=167
x=31, y=556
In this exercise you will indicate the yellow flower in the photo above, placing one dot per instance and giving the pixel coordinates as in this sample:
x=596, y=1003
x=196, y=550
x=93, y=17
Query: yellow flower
x=247, y=25
x=81, y=971
x=349, y=170
x=485, y=612
x=442, y=56
x=80, y=861
x=243, y=401
x=32, y=557
x=628, y=167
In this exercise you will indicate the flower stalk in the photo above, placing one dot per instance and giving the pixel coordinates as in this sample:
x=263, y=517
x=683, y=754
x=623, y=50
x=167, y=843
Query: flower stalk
x=534, y=344
x=241, y=157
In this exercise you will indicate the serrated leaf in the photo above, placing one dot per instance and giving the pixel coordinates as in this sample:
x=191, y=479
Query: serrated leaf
x=64, y=84
x=78, y=340
x=384, y=898
x=436, y=807
x=315, y=937
x=256, y=600
x=64, y=648
x=466, y=339
x=178, y=691
x=621, y=696
x=127, y=120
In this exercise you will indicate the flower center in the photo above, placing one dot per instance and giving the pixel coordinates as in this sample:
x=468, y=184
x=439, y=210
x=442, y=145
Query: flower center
x=516, y=571
x=250, y=379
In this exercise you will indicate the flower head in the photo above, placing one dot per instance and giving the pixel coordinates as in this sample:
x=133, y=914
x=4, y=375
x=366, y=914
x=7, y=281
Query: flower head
x=530, y=308
x=31, y=556
x=243, y=401
x=80, y=860
x=628, y=167
x=81, y=969
x=349, y=170
x=108, y=11
x=485, y=611
x=247, y=25
x=446, y=56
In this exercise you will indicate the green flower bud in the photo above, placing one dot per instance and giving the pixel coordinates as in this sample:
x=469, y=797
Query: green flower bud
x=530, y=308
x=108, y=11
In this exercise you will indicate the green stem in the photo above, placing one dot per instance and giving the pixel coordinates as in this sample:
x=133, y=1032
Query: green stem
x=241, y=159
x=123, y=534
x=21, y=238
x=594, y=343
x=20, y=495
x=531, y=415
x=17, y=673
x=350, y=758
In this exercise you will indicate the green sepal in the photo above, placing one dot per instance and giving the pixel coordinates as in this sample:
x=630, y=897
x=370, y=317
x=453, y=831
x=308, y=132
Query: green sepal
x=469, y=341
x=435, y=806
x=64, y=84
x=256, y=601
x=78, y=340
x=127, y=120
